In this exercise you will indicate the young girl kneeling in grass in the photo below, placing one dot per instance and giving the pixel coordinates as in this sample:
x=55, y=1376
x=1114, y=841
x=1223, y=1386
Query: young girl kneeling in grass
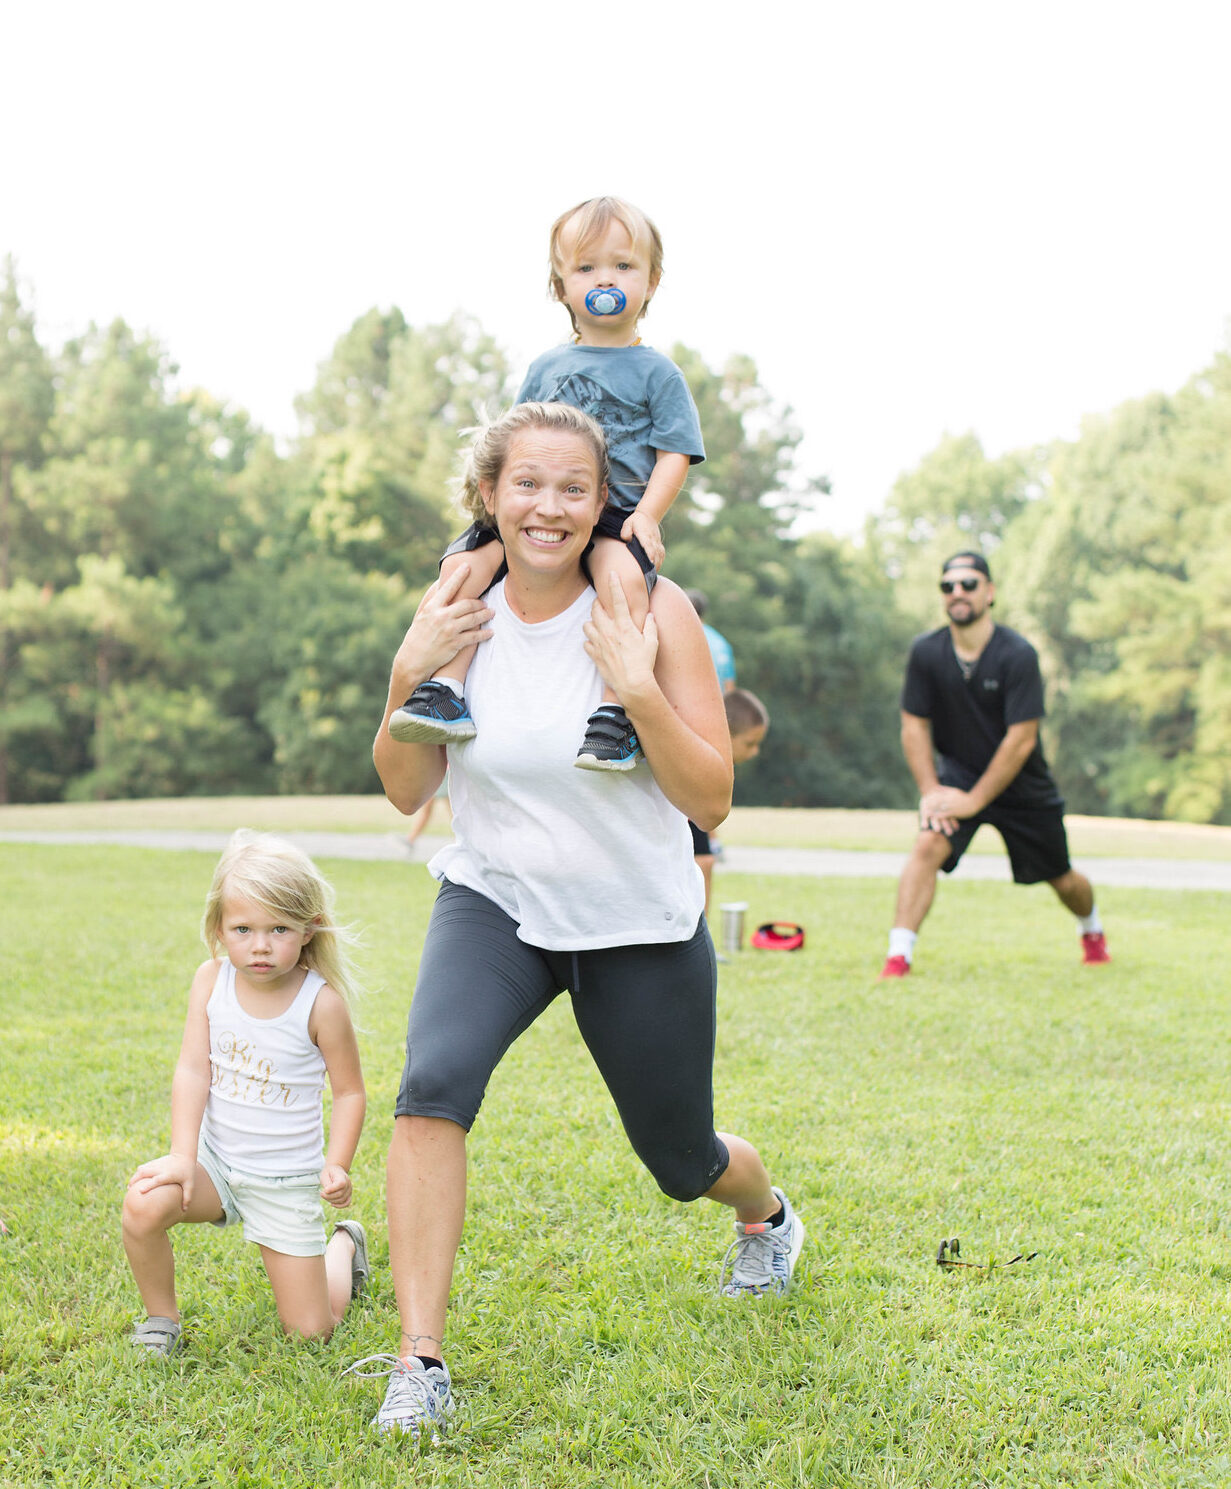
x=267, y=1020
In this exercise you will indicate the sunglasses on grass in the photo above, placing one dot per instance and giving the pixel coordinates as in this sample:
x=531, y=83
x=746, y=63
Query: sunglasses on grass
x=947, y=586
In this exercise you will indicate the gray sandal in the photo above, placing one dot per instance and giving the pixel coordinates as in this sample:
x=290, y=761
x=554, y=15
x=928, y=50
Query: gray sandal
x=157, y=1336
x=359, y=1269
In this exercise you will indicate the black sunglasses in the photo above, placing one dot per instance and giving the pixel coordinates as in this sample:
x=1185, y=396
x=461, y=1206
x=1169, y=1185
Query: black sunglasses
x=947, y=586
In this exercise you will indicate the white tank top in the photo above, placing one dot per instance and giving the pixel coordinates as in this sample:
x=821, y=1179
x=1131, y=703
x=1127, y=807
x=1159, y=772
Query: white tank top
x=267, y=1080
x=579, y=858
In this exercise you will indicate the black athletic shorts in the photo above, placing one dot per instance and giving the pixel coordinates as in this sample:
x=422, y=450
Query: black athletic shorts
x=646, y=1013
x=608, y=526
x=701, y=845
x=1035, y=837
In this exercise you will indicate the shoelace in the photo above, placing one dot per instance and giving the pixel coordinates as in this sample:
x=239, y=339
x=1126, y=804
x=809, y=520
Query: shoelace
x=390, y=1362
x=414, y=1392
x=754, y=1259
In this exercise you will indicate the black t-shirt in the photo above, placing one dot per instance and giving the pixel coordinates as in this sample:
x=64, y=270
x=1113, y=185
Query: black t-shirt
x=971, y=715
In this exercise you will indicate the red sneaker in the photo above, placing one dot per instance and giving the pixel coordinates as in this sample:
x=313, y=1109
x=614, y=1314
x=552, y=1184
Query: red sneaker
x=898, y=966
x=1094, y=948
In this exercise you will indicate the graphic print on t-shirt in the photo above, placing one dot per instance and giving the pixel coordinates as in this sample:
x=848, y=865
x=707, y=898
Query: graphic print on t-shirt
x=245, y=1077
x=622, y=423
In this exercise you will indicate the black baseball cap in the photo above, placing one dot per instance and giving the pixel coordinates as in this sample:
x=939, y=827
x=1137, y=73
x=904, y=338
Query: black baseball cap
x=966, y=560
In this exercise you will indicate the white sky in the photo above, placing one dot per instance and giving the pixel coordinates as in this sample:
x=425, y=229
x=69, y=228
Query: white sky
x=916, y=219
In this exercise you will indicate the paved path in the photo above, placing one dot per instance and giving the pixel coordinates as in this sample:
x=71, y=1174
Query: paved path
x=1142, y=873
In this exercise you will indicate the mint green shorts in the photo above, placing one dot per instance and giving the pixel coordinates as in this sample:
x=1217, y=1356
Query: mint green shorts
x=283, y=1214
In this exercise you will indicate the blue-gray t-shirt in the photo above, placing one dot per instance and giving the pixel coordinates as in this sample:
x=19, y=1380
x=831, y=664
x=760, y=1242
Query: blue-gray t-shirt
x=638, y=396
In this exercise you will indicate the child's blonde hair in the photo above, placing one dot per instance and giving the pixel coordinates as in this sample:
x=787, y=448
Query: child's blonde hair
x=594, y=217
x=489, y=448
x=284, y=881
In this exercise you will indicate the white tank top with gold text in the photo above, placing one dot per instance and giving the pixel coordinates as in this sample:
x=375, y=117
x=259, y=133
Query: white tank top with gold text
x=267, y=1082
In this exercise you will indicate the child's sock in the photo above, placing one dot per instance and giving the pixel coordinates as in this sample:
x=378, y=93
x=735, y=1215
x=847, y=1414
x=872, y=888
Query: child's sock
x=1090, y=924
x=902, y=942
x=459, y=688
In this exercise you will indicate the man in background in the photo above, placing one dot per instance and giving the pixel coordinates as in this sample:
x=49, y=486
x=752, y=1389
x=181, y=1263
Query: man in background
x=971, y=706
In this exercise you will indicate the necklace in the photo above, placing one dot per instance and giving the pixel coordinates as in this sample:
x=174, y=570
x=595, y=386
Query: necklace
x=967, y=665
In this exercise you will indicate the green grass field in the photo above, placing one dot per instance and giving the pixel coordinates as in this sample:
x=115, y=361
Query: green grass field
x=1002, y=1094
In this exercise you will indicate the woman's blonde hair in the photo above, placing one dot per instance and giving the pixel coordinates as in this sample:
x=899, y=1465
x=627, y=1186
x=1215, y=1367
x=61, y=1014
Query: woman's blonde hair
x=283, y=880
x=594, y=217
x=489, y=448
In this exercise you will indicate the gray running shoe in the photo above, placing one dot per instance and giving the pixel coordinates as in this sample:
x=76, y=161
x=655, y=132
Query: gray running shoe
x=359, y=1269
x=433, y=714
x=157, y=1336
x=418, y=1398
x=762, y=1257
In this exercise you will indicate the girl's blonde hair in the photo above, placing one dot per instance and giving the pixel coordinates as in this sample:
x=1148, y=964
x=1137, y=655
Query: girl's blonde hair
x=284, y=881
x=594, y=217
x=489, y=448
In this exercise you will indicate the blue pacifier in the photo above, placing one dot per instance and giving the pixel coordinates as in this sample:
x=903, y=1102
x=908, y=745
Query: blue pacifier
x=606, y=302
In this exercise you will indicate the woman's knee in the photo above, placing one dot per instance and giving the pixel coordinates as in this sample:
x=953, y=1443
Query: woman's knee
x=682, y=1176
x=413, y=1133
x=684, y=1187
x=440, y=1088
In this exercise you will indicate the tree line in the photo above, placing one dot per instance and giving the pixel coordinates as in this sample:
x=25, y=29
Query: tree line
x=187, y=609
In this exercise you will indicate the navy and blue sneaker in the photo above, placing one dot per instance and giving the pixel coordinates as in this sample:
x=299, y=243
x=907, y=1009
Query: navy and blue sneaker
x=610, y=742
x=433, y=714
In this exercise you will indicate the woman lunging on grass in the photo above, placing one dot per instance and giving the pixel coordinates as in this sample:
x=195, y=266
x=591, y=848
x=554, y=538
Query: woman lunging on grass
x=267, y=1021
x=558, y=879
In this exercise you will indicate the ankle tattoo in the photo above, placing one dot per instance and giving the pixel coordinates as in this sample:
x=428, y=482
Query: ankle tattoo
x=413, y=1340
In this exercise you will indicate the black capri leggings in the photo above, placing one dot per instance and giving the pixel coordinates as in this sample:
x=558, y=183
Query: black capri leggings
x=646, y=1013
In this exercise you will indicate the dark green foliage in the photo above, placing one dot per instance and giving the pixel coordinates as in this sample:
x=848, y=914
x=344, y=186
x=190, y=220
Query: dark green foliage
x=829, y=672
x=381, y=440
x=185, y=609
x=1125, y=573
x=190, y=612
x=1113, y=555
x=812, y=622
x=26, y=398
x=194, y=613
x=332, y=636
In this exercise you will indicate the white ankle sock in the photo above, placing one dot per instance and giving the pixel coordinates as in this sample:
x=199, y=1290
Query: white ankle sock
x=1090, y=924
x=459, y=688
x=902, y=942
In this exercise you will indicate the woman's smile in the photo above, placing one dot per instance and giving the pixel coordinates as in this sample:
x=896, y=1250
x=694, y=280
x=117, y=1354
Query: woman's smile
x=547, y=497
